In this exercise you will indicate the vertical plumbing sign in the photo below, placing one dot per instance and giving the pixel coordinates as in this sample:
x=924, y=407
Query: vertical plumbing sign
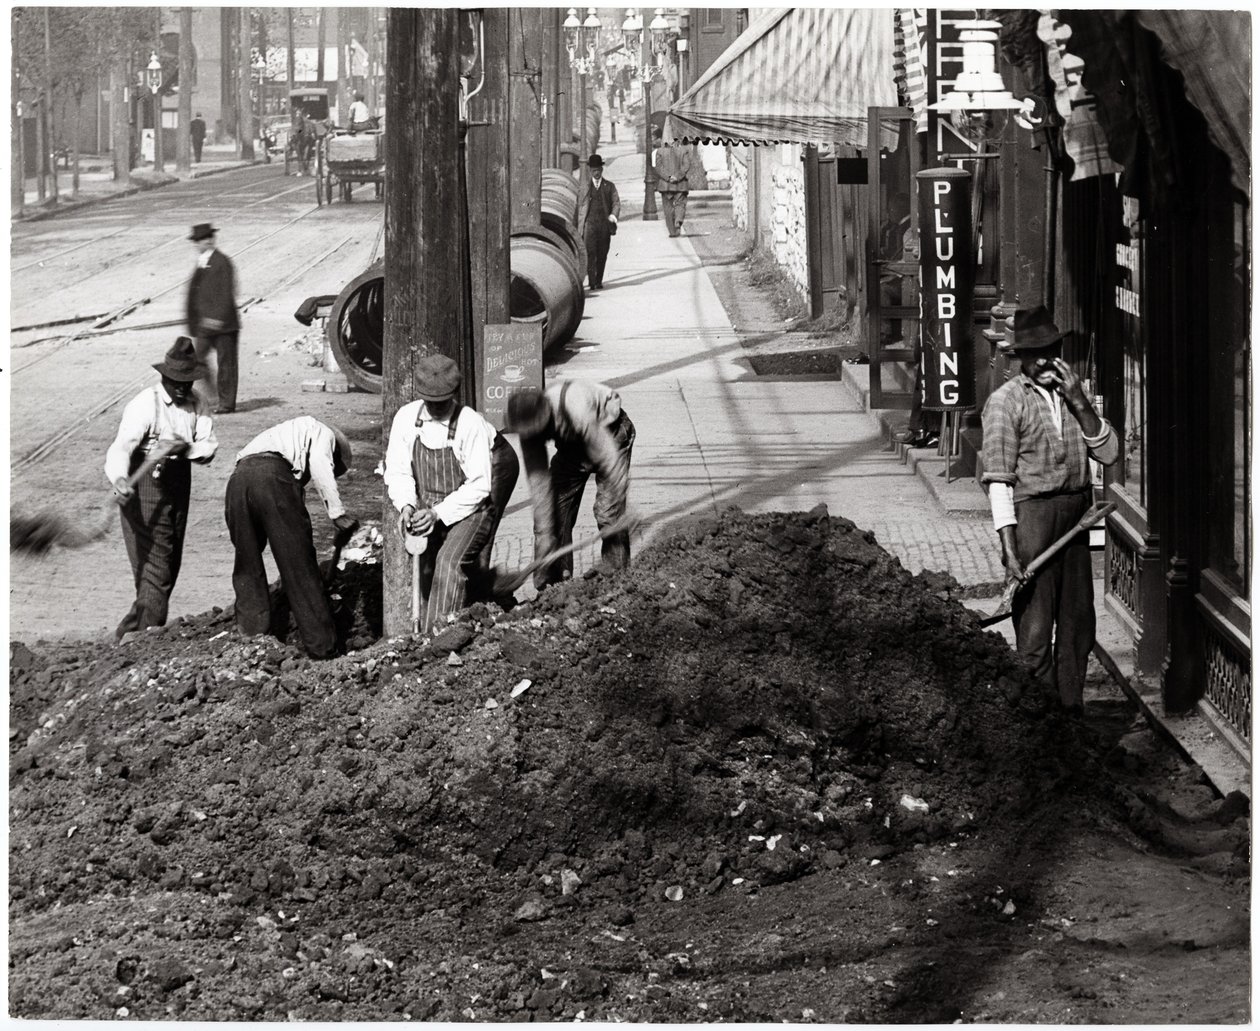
x=948, y=268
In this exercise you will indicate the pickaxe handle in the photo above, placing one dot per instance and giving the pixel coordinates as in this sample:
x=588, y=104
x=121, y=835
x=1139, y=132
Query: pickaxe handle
x=506, y=583
x=1092, y=515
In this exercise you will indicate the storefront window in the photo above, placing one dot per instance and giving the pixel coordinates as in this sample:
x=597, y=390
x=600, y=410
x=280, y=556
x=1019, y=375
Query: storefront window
x=1128, y=302
x=1229, y=443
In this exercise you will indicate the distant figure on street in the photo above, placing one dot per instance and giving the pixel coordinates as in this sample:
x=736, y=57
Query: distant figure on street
x=266, y=504
x=303, y=141
x=597, y=216
x=212, y=317
x=673, y=167
x=360, y=117
x=155, y=511
x=592, y=434
x=450, y=474
x=1039, y=432
x=197, y=130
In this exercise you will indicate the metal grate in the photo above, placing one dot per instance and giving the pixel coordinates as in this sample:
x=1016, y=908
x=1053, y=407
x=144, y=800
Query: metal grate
x=1122, y=574
x=1228, y=683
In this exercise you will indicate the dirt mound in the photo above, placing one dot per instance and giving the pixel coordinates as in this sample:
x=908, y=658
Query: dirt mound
x=757, y=698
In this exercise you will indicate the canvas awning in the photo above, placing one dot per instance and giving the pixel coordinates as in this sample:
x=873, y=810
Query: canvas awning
x=796, y=75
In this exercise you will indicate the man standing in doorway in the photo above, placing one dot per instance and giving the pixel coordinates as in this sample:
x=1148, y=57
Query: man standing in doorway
x=212, y=317
x=673, y=167
x=1040, y=431
x=597, y=221
x=197, y=130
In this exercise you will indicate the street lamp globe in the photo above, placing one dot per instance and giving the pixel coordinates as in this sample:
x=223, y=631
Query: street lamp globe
x=631, y=30
x=572, y=30
x=154, y=72
x=659, y=29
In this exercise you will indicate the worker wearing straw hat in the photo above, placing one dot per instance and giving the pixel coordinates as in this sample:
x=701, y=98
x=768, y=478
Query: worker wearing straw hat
x=265, y=504
x=171, y=417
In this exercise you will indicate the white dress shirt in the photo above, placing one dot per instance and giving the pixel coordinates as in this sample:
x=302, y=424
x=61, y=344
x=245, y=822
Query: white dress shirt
x=203, y=259
x=474, y=437
x=151, y=416
x=306, y=444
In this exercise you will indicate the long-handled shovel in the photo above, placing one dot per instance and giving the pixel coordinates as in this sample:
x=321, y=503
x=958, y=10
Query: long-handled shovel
x=1091, y=516
x=506, y=582
x=39, y=533
x=415, y=545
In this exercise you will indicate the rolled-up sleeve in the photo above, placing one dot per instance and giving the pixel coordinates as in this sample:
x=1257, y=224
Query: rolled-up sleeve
x=400, y=482
x=1105, y=447
x=204, y=444
x=133, y=427
x=1001, y=439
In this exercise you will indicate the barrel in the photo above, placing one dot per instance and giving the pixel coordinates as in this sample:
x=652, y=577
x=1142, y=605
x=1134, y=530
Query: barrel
x=546, y=287
x=356, y=328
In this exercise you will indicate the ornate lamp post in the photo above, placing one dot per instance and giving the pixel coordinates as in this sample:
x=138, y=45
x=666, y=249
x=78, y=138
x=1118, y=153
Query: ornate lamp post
x=644, y=46
x=153, y=79
x=582, y=41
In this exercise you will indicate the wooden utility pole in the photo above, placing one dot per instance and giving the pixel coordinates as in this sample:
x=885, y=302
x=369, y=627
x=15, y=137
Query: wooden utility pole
x=290, y=58
x=245, y=107
x=423, y=286
x=321, y=41
x=526, y=103
x=490, y=186
x=183, y=140
x=157, y=96
x=17, y=157
x=343, y=65
x=120, y=132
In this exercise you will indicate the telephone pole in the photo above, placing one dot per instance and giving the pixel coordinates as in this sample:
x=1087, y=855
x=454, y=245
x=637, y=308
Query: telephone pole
x=244, y=103
x=183, y=141
x=424, y=284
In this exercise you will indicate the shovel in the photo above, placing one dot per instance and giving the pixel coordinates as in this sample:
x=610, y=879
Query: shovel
x=40, y=533
x=1091, y=516
x=415, y=545
x=506, y=582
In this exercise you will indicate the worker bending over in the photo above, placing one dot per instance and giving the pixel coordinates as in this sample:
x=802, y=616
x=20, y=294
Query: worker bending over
x=266, y=504
x=168, y=417
x=592, y=434
x=450, y=474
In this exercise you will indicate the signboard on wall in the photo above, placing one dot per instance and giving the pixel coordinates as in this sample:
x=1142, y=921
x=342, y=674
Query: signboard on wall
x=948, y=270
x=513, y=356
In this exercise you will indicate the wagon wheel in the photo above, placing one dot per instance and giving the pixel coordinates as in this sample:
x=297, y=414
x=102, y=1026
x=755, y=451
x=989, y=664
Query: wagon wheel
x=319, y=175
x=288, y=150
x=380, y=188
x=328, y=185
x=346, y=187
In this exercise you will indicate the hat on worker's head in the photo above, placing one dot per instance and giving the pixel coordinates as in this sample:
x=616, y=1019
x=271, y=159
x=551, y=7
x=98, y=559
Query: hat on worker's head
x=342, y=455
x=180, y=363
x=438, y=378
x=528, y=412
x=202, y=231
x=595, y=161
x=1031, y=329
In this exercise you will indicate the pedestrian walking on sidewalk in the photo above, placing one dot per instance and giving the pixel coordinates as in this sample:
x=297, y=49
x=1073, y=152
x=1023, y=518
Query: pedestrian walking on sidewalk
x=212, y=317
x=266, y=504
x=598, y=212
x=592, y=434
x=155, y=511
x=673, y=169
x=1039, y=432
x=450, y=474
x=197, y=131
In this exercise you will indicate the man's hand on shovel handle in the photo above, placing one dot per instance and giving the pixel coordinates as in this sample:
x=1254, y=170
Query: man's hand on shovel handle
x=1010, y=558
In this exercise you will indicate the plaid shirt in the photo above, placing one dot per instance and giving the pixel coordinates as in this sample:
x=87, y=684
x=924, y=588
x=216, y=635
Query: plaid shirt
x=1022, y=447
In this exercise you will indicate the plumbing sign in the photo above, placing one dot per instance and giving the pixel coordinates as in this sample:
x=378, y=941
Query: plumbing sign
x=513, y=358
x=948, y=268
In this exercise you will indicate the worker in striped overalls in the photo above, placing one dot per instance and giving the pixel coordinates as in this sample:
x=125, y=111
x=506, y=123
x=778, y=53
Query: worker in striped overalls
x=450, y=474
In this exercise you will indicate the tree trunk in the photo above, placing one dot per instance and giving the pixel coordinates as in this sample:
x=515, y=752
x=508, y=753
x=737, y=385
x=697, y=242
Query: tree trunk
x=41, y=146
x=490, y=187
x=120, y=133
x=17, y=160
x=343, y=66
x=422, y=232
x=321, y=43
x=245, y=121
x=50, y=134
x=290, y=67
x=74, y=143
x=183, y=141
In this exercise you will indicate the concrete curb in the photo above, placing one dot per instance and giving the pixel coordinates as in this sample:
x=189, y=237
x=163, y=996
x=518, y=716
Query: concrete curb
x=69, y=207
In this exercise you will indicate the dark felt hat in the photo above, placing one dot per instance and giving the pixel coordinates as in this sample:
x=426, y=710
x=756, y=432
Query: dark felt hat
x=595, y=161
x=1031, y=329
x=202, y=231
x=180, y=363
x=438, y=377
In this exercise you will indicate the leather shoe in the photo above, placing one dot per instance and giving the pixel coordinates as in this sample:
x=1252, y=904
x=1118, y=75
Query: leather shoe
x=916, y=438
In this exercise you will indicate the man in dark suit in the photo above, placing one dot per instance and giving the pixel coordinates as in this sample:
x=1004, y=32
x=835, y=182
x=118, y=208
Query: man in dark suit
x=197, y=130
x=212, y=317
x=598, y=212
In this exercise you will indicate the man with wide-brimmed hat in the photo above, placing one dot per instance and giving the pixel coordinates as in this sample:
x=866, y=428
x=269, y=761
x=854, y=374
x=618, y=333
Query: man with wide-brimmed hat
x=212, y=315
x=597, y=215
x=450, y=474
x=169, y=417
x=1040, y=430
x=265, y=504
x=593, y=435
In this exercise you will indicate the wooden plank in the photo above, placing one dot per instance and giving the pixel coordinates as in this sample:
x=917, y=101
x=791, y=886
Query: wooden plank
x=525, y=112
x=423, y=290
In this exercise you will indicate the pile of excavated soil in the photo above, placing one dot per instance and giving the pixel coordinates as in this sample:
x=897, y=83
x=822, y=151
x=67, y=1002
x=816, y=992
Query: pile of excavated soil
x=212, y=827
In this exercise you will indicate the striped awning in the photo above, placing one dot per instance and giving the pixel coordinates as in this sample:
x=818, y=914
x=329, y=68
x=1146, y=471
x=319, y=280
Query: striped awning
x=796, y=75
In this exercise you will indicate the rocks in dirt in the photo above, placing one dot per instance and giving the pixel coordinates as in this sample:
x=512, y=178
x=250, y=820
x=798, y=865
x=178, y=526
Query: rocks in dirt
x=454, y=638
x=621, y=916
x=531, y=910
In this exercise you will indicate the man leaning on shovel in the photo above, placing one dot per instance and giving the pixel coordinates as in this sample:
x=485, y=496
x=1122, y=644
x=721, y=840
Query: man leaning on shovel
x=1039, y=432
x=170, y=423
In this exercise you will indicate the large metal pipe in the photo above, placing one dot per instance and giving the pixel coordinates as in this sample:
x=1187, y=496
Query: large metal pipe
x=546, y=287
